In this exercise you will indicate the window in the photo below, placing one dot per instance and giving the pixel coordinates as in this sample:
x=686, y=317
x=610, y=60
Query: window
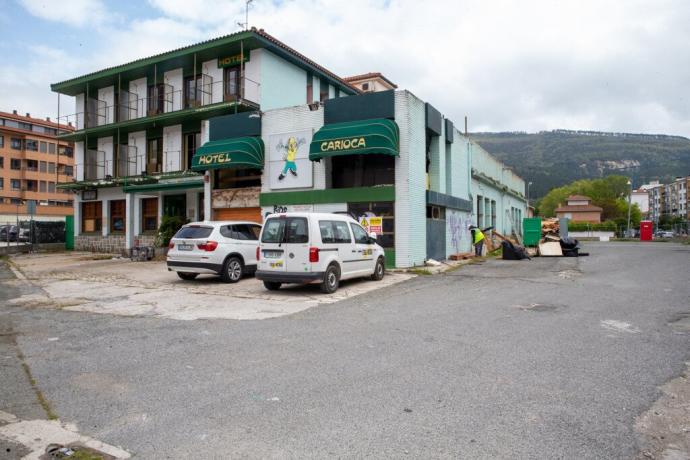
x=334, y=231
x=231, y=83
x=26, y=126
x=242, y=232
x=15, y=163
x=43, y=166
x=383, y=209
x=323, y=90
x=237, y=178
x=91, y=216
x=493, y=213
x=15, y=184
x=365, y=86
x=154, y=155
x=31, y=185
x=192, y=141
x=51, y=148
x=310, y=89
x=435, y=212
x=42, y=186
x=43, y=147
x=31, y=144
x=31, y=165
x=2, y=141
x=117, y=215
x=195, y=231
x=51, y=187
x=362, y=170
x=149, y=214
x=480, y=211
x=16, y=143
x=288, y=230
x=156, y=99
x=2, y=183
x=69, y=170
x=192, y=91
x=2, y=162
x=360, y=234
x=51, y=168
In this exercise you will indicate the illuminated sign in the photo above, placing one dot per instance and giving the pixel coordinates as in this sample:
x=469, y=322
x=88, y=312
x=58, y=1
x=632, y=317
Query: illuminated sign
x=344, y=144
x=215, y=159
x=229, y=61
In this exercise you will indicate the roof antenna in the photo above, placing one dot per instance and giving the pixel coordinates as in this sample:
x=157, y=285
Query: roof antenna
x=245, y=24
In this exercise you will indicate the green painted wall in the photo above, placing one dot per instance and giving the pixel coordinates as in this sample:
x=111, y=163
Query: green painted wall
x=342, y=195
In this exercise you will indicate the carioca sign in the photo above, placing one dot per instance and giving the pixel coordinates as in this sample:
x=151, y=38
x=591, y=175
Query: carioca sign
x=215, y=159
x=229, y=61
x=343, y=144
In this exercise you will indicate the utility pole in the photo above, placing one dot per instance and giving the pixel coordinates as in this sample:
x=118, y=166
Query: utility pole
x=629, y=205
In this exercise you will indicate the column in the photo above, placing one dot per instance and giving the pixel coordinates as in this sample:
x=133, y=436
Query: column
x=208, y=185
x=129, y=220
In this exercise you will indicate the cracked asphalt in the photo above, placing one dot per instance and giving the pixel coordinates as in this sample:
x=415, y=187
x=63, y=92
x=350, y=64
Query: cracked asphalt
x=548, y=358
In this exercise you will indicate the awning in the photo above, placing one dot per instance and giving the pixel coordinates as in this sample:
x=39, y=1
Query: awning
x=241, y=152
x=379, y=135
x=163, y=186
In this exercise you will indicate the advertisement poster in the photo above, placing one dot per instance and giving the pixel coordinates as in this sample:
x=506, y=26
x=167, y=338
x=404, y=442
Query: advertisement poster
x=372, y=224
x=288, y=160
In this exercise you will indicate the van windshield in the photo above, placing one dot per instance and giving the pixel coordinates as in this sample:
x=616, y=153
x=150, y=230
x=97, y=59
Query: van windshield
x=285, y=230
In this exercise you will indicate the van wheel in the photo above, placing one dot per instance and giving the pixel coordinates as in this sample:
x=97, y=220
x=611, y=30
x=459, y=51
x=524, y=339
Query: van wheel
x=272, y=285
x=379, y=270
x=187, y=276
x=331, y=280
x=232, y=270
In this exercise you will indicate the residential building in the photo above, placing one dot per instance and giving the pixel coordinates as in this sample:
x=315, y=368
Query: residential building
x=371, y=82
x=32, y=162
x=138, y=126
x=387, y=158
x=641, y=198
x=579, y=208
x=655, y=191
x=676, y=198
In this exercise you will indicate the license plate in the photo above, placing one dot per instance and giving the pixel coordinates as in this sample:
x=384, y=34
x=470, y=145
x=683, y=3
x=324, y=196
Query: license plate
x=185, y=247
x=276, y=264
x=273, y=254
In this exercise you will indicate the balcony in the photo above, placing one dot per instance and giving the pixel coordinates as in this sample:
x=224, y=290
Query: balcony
x=164, y=106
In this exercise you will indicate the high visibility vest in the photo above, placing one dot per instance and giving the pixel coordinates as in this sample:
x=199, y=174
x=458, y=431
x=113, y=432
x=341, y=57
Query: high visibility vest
x=478, y=236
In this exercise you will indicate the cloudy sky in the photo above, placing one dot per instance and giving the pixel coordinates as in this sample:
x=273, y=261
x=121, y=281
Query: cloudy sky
x=527, y=65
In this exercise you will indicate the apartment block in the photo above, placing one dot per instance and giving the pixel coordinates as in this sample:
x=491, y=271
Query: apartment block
x=32, y=162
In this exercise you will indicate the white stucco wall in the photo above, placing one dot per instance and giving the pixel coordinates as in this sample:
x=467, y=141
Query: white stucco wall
x=137, y=152
x=211, y=69
x=172, y=148
x=252, y=74
x=105, y=153
x=175, y=78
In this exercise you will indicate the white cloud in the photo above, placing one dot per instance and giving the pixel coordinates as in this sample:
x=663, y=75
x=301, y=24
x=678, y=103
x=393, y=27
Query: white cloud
x=72, y=12
x=507, y=64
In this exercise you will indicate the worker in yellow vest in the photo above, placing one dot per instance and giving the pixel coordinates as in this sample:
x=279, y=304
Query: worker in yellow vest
x=477, y=240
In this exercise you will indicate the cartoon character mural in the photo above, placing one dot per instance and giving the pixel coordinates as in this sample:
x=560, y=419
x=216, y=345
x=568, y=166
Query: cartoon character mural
x=289, y=160
x=290, y=155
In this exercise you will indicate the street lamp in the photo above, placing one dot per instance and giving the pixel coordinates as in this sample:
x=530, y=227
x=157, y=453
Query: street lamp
x=528, y=184
x=629, y=205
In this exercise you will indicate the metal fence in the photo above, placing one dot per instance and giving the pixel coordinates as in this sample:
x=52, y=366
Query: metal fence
x=31, y=232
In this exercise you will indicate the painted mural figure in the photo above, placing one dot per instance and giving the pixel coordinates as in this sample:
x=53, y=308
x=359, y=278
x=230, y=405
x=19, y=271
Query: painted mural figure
x=289, y=157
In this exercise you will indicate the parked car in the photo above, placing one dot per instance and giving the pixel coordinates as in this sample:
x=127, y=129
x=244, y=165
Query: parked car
x=226, y=248
x=665, y=234
x=316, y=248
x=8, y=233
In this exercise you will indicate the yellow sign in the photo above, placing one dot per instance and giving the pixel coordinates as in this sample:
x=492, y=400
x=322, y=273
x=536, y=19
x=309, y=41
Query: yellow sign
x=344, y=144
x=376, y=225
x=232, y=60
x=216, y=158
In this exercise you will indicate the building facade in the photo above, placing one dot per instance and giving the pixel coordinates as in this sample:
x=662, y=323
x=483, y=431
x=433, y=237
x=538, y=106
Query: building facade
x=138, y=126
x=304, y=140
x=32, y=162
x=371, y=82
x=579, y=208
x=669, y=200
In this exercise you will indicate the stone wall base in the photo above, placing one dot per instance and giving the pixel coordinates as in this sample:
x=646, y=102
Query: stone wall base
x=111, y=244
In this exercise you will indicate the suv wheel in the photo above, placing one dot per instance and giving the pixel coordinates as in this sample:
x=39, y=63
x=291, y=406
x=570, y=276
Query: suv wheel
x=379, y=270
x=331, y=280
x=272, y=285
x=232, y=270
x=187, y=276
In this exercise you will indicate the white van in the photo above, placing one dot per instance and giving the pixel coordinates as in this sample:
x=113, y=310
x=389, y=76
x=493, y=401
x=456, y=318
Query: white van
x=298, y=247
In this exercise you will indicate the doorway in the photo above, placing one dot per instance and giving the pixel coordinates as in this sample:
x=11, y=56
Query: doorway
x=175, y=205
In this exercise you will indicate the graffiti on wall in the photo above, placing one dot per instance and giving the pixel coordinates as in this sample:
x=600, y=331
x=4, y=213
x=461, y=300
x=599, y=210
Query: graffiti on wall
x=457, y=225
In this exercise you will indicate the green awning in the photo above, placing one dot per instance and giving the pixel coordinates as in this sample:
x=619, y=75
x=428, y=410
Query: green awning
x=241, y=152
x=162, y=186
x=379, y=135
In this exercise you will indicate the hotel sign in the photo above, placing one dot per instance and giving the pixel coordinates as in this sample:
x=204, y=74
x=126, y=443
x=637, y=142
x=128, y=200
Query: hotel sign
x=215, y=159
x=230, y=61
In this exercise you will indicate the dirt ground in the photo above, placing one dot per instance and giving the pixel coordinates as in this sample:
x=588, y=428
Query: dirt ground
x=100, y=284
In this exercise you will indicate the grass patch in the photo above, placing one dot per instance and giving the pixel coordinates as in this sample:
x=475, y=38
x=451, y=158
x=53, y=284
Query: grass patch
x=420, y=271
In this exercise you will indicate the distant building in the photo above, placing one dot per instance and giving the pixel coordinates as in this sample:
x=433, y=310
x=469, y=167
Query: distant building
x=32, y=162
x=676, y=198
x=641, y=198
x=371, y=82
x=655, y=193
x=579, y=208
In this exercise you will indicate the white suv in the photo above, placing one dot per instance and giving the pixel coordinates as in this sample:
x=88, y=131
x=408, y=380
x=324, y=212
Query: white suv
x=316, y=248
x=223, y=248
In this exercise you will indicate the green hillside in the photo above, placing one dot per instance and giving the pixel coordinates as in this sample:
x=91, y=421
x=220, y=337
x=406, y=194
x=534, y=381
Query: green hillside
x=554, y=158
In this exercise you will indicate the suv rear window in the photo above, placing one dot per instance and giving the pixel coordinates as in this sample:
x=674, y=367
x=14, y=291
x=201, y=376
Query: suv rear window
x=286, y=230
x=193, y=232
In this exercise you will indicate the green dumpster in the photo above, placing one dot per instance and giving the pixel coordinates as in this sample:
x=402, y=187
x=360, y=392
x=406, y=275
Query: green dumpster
x=69, y=233
x=531, y=229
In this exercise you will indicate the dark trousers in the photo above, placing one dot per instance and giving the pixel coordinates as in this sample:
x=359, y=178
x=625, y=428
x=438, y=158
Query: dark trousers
x=478, y=248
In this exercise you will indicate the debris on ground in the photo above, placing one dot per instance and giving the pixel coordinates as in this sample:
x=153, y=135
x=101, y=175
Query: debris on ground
x=432, y=263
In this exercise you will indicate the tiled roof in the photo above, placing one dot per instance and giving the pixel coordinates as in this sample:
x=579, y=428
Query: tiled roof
x=579, y=198
x=366, y=76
